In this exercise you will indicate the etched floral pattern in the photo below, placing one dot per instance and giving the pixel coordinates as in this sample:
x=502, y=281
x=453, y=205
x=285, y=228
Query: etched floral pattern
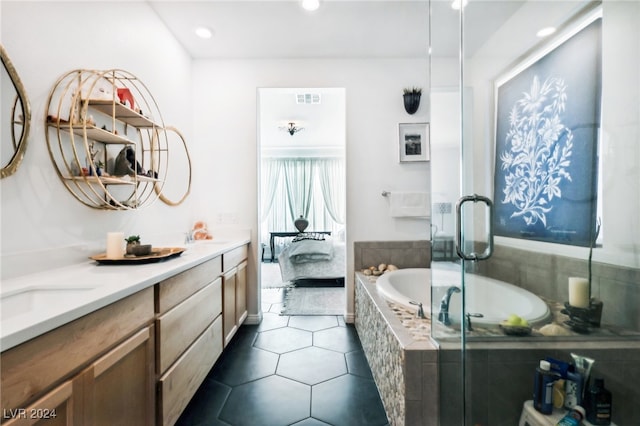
x=538, y=147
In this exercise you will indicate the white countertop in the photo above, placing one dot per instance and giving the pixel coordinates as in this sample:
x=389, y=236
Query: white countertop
x=100, y=286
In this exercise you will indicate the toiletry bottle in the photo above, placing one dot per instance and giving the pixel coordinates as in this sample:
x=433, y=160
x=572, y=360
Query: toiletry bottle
x=543, y=388
x=573, y=417
x=573, y=386
x=599, y=404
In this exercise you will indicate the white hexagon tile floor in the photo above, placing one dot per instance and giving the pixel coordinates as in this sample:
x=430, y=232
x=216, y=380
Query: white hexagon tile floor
x=289, y=370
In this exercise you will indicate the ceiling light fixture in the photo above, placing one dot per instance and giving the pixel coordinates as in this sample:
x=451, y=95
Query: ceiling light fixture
x=291, y=128
x=310, y=5
x=456, y=4
x=203, y=32
x=547, y=31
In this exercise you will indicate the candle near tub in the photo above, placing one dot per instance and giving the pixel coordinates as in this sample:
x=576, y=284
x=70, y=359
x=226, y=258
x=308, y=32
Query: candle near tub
x=115, y=245
x=579, y=292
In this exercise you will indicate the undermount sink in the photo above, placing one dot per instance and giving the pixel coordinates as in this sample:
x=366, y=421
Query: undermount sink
x=33, y=299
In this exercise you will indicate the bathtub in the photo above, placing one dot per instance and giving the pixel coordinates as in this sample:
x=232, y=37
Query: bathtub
x=494, y=299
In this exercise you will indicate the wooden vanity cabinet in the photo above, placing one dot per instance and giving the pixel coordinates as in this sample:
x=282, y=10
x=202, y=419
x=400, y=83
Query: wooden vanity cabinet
x=95, y=370
x=189, y=335
x=234, y=291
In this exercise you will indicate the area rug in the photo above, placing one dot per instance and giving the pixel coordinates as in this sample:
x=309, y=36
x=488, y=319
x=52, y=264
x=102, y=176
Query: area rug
x=313, y=301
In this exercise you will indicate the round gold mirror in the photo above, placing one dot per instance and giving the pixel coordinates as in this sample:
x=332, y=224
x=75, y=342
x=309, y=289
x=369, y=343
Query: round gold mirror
x=15, y=113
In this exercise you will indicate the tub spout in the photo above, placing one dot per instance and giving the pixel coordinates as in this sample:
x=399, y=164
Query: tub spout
x=443, y=315
x=420, y=312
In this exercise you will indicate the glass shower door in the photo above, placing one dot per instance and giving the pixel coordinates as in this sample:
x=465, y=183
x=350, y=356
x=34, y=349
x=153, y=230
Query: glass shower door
x=544, y=127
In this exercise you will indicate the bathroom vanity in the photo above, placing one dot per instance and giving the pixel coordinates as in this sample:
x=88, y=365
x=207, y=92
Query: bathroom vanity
x=129, y=345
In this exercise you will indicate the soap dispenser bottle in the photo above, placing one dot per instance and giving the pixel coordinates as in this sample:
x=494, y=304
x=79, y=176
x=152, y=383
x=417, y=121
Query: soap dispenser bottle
x=599, y=404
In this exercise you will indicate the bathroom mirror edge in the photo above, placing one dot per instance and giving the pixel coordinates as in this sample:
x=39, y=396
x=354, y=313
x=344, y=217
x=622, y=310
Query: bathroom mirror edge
x=21, y=102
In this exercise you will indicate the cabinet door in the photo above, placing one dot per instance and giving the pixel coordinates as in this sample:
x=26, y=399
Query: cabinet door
x=229, y=305
x=119, y=388
x=60, y=407
x=241, y=293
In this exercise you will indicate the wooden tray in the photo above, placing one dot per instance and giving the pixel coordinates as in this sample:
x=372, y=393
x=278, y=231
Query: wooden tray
x=156, y=255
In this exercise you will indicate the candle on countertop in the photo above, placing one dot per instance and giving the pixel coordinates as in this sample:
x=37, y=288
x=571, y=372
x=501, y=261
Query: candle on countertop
x=115, y=244
x=579, y=292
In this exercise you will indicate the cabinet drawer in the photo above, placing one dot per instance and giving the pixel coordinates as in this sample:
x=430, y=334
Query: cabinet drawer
x=178, y=385
x=180, y=326
x=234, y=257
x=38, y=364
x=179, y=287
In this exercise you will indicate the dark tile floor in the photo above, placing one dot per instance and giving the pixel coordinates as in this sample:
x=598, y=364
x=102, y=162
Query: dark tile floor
x=297, y=370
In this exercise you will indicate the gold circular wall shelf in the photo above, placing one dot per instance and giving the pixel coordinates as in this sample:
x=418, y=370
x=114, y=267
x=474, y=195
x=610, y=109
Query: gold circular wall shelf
x=185, y=192
x=107, y=139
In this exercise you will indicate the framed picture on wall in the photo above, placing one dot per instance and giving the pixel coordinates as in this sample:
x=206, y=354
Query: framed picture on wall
x=547, y=126
x=413, y=142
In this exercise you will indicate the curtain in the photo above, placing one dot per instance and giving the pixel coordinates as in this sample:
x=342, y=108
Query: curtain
x=312, y=187
x=298, y=174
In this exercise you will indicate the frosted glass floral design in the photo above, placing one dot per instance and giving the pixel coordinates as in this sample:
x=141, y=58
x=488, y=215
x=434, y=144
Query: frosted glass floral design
x=537, y=151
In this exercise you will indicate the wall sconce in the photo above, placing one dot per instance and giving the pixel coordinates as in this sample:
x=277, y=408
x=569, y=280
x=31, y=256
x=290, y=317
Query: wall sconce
x=291, y=128
x=412, y=99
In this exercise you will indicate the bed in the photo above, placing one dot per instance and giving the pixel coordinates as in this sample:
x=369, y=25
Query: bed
x=313, y=260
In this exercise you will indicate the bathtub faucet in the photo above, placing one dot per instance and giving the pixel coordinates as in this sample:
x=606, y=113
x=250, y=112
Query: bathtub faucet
x=420, y=313
x=443, y=315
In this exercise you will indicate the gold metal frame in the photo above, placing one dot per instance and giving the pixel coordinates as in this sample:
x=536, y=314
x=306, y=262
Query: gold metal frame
x=158, y=188
x=19, y=145
x=82, y=110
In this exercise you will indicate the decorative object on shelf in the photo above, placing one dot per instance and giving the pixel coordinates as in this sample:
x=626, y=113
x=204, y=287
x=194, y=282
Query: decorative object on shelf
x=291, y=128
x=584, y=310
x=20, y=117
x=135, y=248
x=126, y=163
x=413, y=142
x=114, y=245
x=412, y=99
x=301, y=223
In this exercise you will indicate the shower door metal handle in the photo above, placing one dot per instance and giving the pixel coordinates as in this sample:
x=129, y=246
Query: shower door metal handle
x=473, y=255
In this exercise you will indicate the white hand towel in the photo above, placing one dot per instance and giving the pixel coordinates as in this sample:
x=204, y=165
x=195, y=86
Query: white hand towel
x=410, y=204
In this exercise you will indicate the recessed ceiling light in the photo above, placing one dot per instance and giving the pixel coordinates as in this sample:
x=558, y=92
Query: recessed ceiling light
x=204, y=32
x=546, y=32
x=310, y=5
x=456, y=4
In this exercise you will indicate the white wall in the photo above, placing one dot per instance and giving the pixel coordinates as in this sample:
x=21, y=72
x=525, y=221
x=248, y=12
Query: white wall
x=225, y=103
x=214, y=104
x=46, y=40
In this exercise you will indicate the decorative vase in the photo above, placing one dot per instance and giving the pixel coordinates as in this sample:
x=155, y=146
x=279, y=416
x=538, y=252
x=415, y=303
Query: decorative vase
x=411, y=101
x=301, y=224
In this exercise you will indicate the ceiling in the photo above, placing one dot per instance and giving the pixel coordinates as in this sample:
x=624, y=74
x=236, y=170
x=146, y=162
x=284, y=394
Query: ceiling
x=338, y=29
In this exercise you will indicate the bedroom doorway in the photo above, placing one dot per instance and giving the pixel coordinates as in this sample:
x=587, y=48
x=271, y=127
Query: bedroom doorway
x=302, y=181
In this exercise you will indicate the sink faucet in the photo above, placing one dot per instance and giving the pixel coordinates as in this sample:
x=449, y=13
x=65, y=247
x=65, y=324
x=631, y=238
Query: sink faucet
x=443, y=315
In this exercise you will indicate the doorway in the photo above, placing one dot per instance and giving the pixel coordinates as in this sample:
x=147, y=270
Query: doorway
x=302, y=205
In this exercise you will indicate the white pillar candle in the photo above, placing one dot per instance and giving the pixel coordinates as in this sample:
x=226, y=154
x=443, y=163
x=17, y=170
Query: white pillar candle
x=115, y=244
x=579, y=292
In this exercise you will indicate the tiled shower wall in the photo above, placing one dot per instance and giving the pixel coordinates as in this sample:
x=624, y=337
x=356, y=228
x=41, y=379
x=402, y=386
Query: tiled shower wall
x=547, y=275
x=403, y=254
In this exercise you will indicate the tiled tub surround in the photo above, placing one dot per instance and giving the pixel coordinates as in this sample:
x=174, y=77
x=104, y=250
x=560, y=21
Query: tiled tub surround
x=414, y=373
x=404, y=362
